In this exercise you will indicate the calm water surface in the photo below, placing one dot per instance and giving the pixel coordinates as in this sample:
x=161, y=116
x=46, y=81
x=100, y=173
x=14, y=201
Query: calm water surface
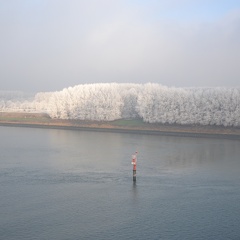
x=59, y=184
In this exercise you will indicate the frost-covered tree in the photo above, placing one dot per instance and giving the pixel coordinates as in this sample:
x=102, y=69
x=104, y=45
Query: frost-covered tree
x=152, y=102
x=130, y=94
x=16, y=101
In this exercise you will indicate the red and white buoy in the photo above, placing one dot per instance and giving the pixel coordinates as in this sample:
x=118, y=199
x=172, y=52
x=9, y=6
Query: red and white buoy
x=134, y=163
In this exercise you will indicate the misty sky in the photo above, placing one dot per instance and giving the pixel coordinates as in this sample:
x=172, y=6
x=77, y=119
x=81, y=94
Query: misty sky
x=47, y=45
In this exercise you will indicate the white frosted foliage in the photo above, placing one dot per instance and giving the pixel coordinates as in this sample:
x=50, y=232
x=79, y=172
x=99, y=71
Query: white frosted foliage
x=152, y=102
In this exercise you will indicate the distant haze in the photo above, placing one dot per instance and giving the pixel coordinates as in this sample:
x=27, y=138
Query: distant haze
x=48, y=45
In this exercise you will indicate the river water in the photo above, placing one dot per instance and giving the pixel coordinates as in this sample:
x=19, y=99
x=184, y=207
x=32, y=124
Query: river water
x=62, y=184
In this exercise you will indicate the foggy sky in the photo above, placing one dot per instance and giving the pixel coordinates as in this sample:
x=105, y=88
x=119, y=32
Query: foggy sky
x=47, y=45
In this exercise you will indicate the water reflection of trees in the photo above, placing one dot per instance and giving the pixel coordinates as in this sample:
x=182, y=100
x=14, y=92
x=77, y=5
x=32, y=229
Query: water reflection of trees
x=172, y=153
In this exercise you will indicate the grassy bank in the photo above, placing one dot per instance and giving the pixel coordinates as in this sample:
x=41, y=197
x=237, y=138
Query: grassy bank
x=121, y=125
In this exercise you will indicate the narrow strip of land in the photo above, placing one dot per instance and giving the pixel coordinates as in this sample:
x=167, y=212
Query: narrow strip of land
x=38, y=120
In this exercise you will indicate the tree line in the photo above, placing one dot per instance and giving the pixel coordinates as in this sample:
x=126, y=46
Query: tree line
x=154, y=103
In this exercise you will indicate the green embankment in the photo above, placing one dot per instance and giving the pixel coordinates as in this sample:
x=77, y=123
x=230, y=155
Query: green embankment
x=121, y=125
x=24, y=117
x=129, y=122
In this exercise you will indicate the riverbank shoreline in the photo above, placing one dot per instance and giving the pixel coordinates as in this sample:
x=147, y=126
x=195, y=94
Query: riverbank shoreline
x=36, y=120
x=125, y=130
